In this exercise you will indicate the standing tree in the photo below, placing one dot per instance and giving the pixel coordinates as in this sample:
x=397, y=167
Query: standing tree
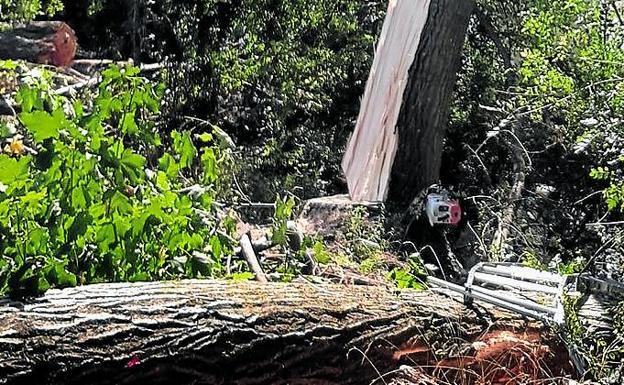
x=396, y=149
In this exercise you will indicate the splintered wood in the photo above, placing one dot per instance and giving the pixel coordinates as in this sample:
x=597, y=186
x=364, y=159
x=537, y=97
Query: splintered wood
x=371, y=150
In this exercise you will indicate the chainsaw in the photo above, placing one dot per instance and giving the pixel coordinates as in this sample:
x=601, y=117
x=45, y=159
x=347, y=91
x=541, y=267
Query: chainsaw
x=442, y=210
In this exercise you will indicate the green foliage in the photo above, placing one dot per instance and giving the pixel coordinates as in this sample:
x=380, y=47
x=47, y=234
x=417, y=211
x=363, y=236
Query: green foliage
x=25, y=10
x=571, y=70
x=100, y=199
x=530, y=260
x=283, y=213
x=365, y=236
x=600, y=173
x=572, y=267
x=321, y=254
x=574, y=327
x=412, y=276
x=244, y=276
x=281, y=77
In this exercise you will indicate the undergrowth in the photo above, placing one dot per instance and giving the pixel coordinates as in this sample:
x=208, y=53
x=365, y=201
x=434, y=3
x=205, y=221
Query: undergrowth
x=601, y=356
x=90, y=192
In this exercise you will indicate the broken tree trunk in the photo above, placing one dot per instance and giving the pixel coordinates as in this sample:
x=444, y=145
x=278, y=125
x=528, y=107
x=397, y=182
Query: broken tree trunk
x=396, y=148
x=44, y=42
x=211, y=332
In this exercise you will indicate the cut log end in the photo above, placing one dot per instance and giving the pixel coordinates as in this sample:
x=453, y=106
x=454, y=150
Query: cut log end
x=43, y=42
x=64, y=46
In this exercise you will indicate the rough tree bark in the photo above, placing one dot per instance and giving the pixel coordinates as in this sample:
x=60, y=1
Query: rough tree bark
x=395, y=150
x=207, y=332
x=44, y=42
x=424, y=114
x=369, y=155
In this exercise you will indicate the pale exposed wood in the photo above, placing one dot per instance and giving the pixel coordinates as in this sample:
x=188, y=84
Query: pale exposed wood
x=250, y=256
x=396, y=148
x=371, y=150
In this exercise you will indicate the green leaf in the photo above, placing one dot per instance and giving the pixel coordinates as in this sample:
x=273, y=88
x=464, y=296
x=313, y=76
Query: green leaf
x=131, y=70
x=37, y=241
x=61, y=277
x=129, y=125
x=4, y=131
x=183, y=146
x=132, y=165
x=139, y=277
x=320, y=253
x=42, y=285
x=42, y=125
x=78, y=226
x=162, y=181
x=105, y=237
x=167, y=164
x=112, y=72
x=132, y=160
x=244, y=276
x=32, y=201
x=122, y=226
x=600, y=173
x=179, y=241
x=8, y=64
x=205, y=137
x=215, y=246
x=120, y=203
x=138, y=224
x=78, y=108
x=403, y=279
x=13, y=169
x=29, y=98
x=79, y=199
x=209, y=163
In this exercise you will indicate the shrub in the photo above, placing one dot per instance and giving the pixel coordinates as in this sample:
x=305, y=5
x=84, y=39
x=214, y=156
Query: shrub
x=97, y=198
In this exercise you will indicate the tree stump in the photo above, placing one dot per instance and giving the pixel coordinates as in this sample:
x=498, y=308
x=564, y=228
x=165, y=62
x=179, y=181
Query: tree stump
x=43, y=42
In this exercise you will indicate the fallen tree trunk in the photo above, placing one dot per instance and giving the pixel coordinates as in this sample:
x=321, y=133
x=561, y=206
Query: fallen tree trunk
x=43, y=42
x=211, y=332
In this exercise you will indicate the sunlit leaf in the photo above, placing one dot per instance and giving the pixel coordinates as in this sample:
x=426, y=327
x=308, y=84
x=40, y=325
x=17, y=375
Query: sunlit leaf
x=42, y=125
